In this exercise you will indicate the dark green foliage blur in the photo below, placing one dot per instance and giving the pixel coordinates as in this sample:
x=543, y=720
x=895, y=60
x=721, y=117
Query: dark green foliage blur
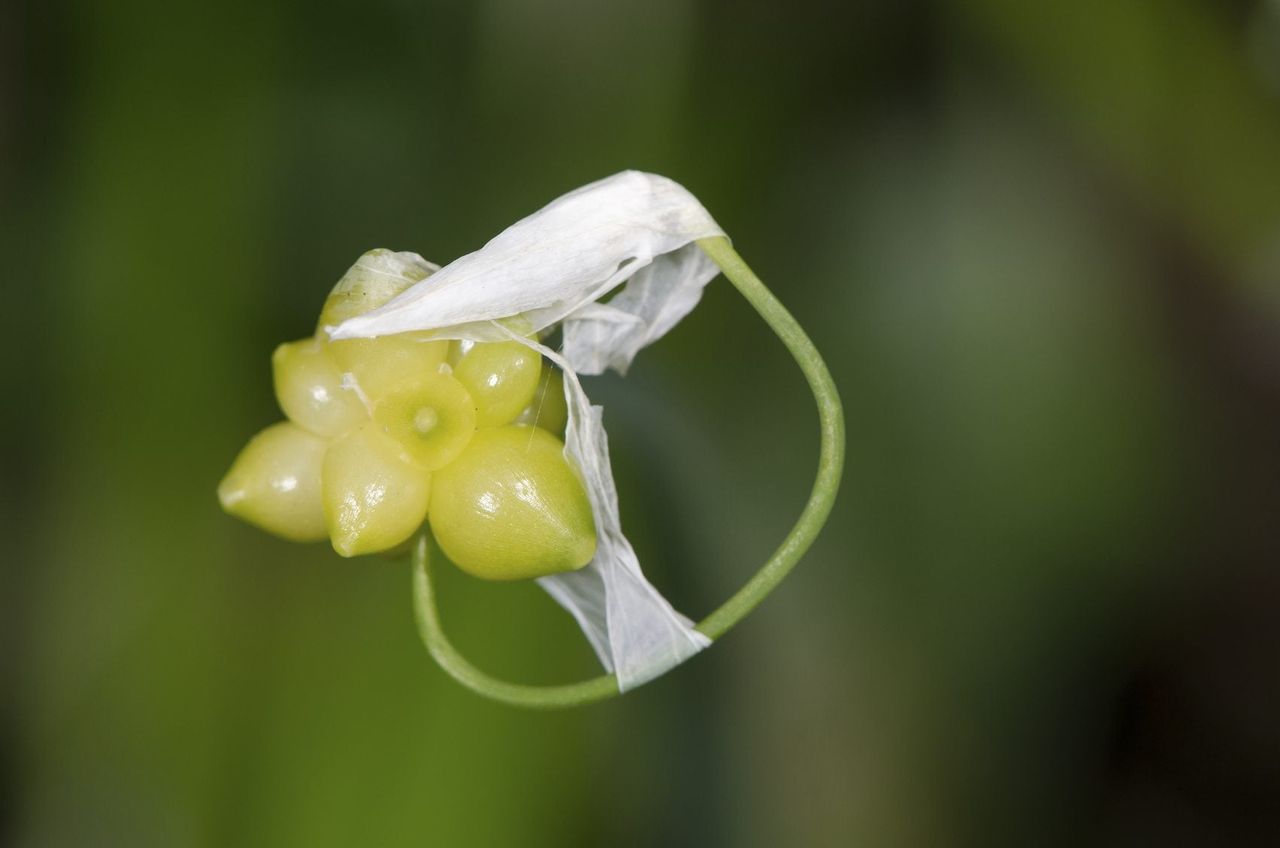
x=1038, y=243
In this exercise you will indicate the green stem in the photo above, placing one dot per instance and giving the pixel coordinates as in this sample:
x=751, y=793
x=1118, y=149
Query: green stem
x=830, y=451
x=461, y=670
x=793, y=547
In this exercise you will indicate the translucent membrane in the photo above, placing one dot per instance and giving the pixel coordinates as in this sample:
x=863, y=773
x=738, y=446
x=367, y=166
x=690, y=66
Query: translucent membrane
x=275, y=483
x=373, y=499
x=432, y=418
x=502, y=377
x=310, y=390
x=510, y=507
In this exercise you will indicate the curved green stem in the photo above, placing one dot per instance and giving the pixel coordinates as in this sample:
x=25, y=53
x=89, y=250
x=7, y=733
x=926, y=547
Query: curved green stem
x=793, y=547
x=830, y=451
x=461, y=670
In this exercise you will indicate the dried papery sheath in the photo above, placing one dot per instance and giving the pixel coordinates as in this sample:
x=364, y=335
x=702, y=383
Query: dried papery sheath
x=554, y=267
x=555, y=264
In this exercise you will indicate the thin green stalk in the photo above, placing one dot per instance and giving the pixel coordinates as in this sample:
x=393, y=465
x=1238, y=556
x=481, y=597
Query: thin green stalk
x=461, y=670
x=830, y=452
x=793, y=547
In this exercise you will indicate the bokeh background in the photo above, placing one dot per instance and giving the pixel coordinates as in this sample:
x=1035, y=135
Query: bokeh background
x=1039, y=244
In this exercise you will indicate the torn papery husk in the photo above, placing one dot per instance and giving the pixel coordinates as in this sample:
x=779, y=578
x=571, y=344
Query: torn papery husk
x=554, y=267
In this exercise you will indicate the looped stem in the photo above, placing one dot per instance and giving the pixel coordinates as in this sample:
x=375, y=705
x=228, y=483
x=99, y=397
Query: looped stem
x=793, y=547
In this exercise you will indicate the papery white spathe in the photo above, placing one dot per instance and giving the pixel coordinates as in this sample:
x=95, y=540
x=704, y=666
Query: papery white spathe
x=551, y=267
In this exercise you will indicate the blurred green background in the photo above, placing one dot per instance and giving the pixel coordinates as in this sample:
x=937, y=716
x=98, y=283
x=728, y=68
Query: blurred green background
x=1038, y=243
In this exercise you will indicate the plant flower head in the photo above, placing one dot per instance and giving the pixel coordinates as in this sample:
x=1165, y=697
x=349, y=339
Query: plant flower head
x=426, y=396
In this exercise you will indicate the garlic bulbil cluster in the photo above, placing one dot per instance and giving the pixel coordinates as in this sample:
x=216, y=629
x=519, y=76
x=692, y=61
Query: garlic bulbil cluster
x=412, y=403
x=386, y=433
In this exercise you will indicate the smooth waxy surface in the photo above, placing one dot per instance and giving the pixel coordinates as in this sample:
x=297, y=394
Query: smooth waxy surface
x=510, y=507
x=372, y=498
x=310, y=390
x=432, y=419
x=274, y=483
x=548, y=408
x=502, y=377
x=382, y=365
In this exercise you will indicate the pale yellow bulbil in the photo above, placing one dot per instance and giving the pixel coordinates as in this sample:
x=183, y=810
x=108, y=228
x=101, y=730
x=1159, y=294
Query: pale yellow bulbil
x=373, y=499
x=511, y=508
x=381, y=429
x=381, y=365
x=548, y=408
x=311, y=392
x=431, y=418
x=275, y=483
x=502, y=377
